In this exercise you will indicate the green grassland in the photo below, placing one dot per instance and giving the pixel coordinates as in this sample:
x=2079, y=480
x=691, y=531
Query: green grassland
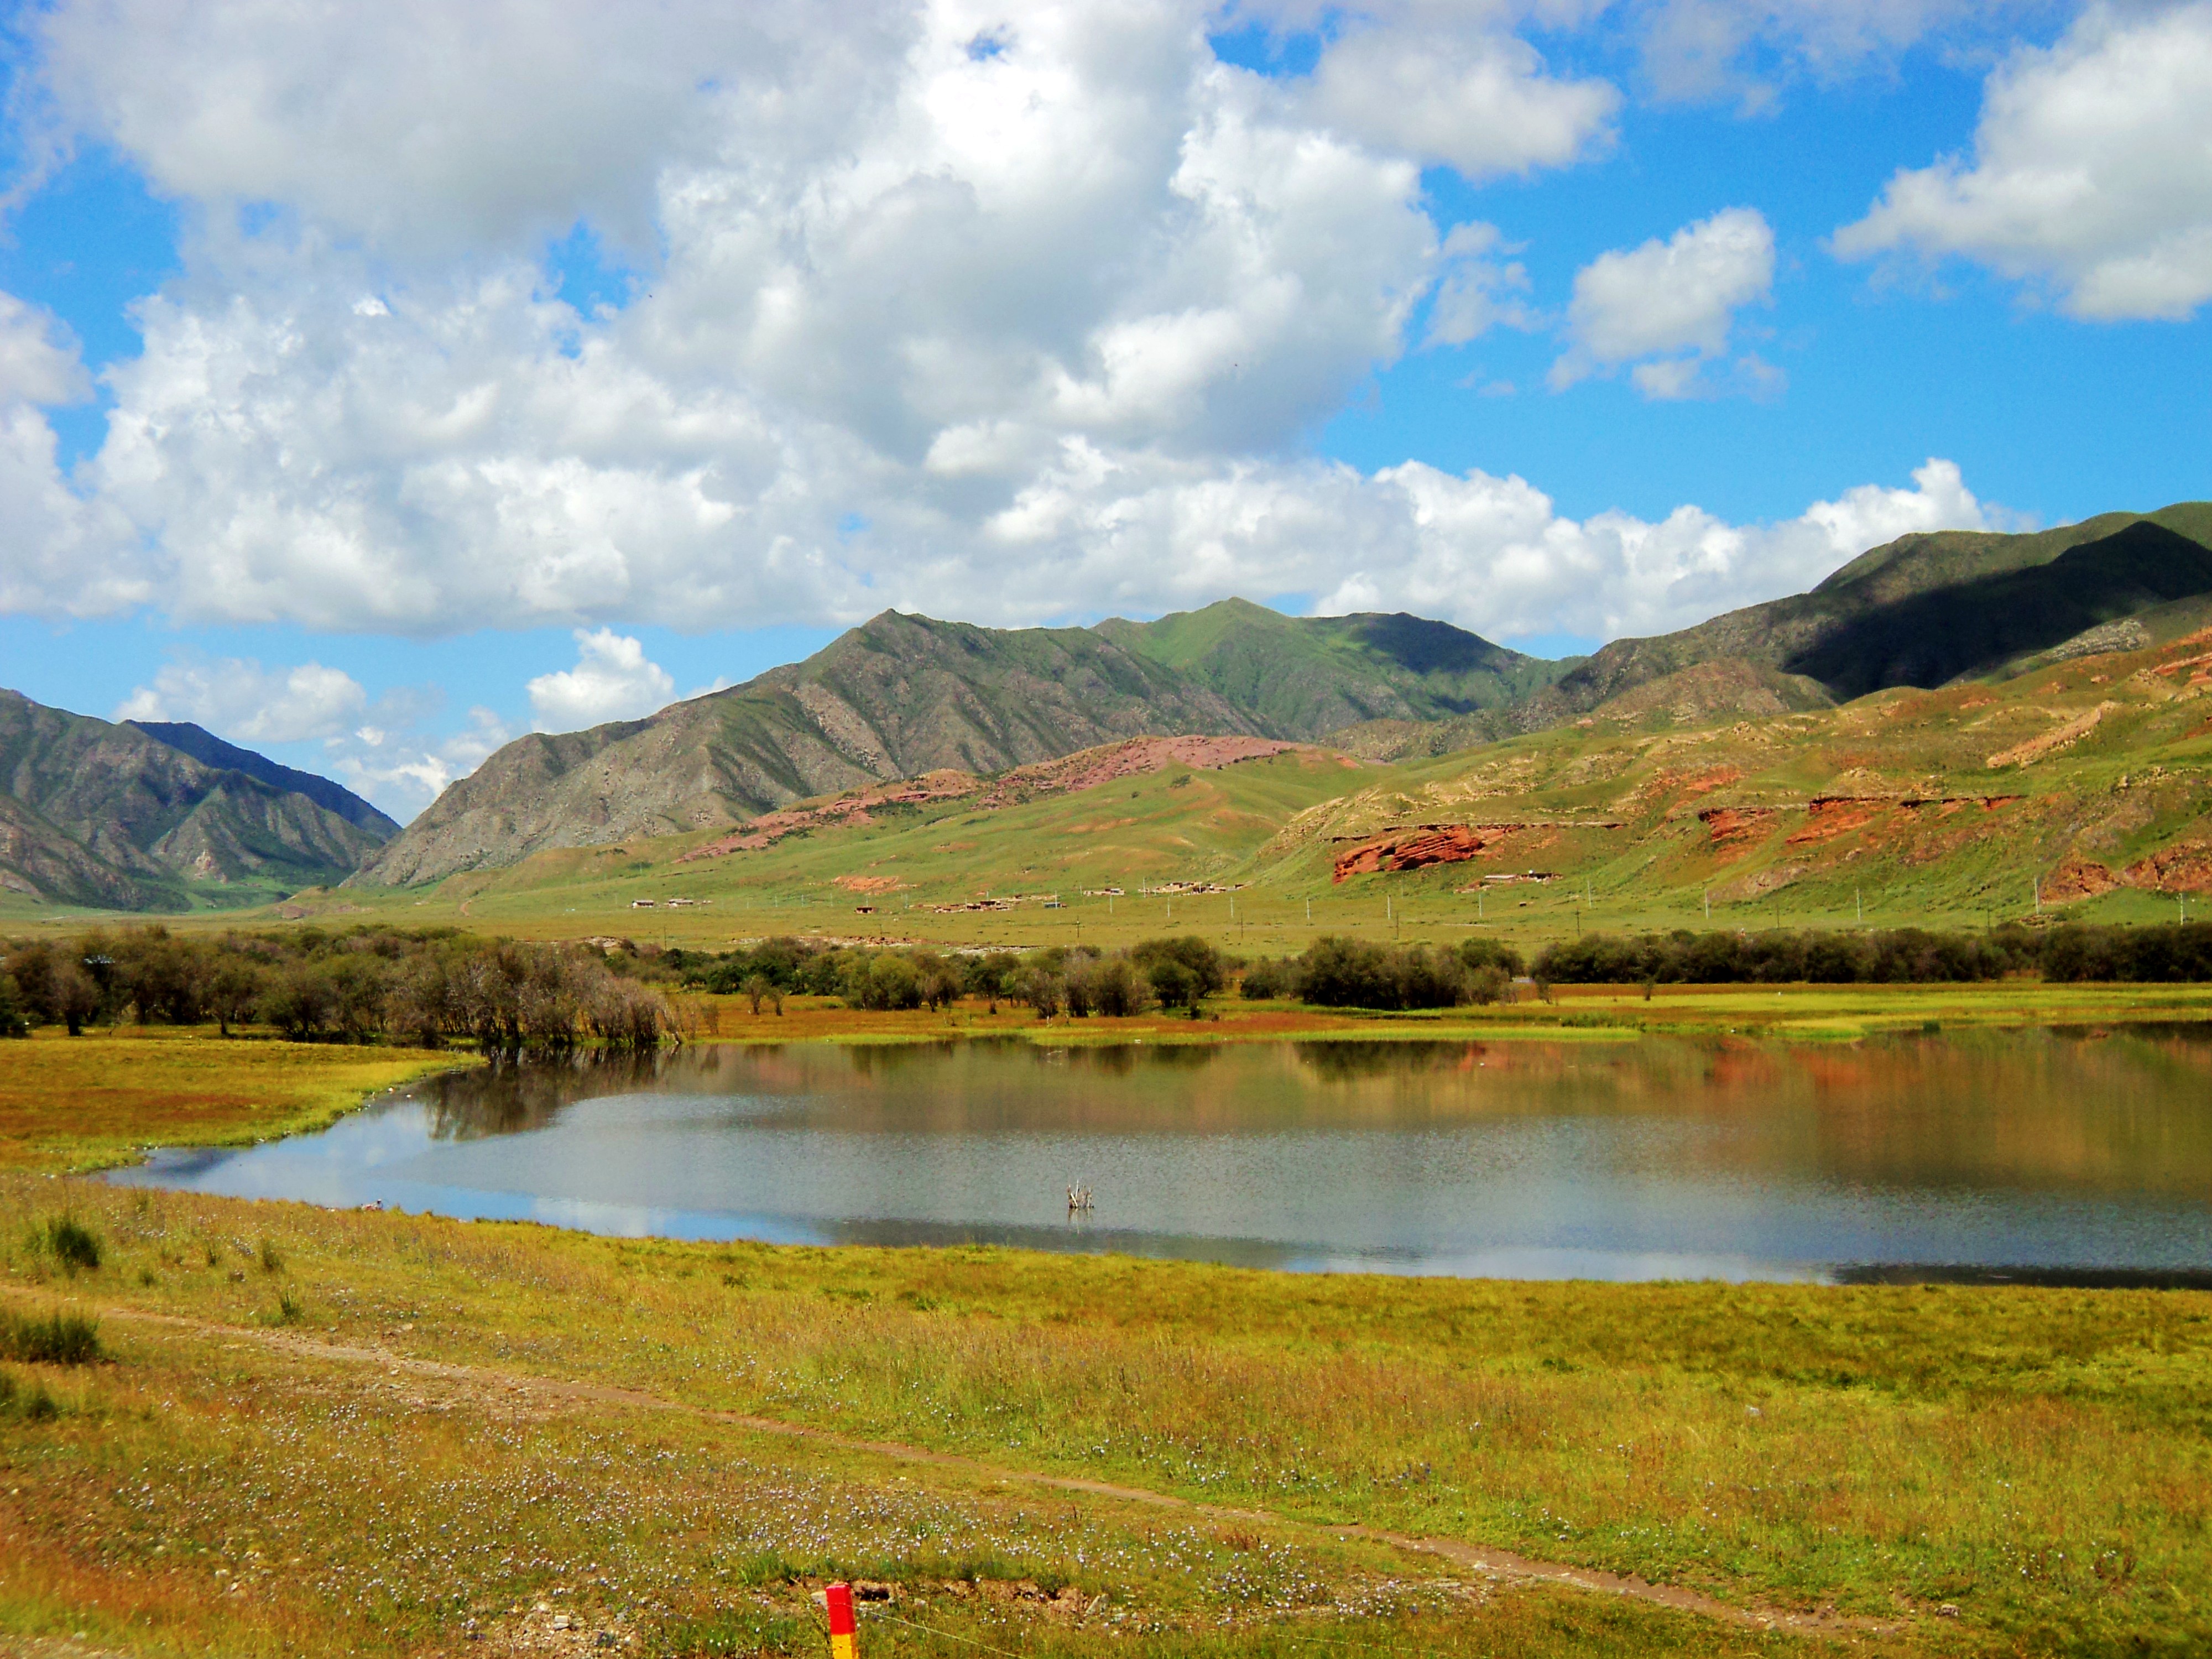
x=366, y=1433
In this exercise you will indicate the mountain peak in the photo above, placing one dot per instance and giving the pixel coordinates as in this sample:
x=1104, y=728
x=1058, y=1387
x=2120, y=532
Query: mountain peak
x=203, y=745
x=126, y=816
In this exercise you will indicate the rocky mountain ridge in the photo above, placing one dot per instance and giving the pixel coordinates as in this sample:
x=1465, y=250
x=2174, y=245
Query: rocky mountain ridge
x=895, y=697
x=113, y=816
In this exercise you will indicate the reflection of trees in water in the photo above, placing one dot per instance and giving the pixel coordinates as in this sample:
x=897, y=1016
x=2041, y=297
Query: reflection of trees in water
x=1120, y=1059
x=890, y=1060
x=511, y=1095
x=1347, y=1062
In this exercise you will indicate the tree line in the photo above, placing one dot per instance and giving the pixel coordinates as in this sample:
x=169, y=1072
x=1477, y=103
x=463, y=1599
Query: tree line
x=431, y=985
x=2073, y=951
x=1343, y=973
x=1081, y=981
x=426, y=986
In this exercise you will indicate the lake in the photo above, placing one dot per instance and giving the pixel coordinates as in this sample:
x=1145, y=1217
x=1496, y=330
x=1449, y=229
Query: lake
x=2032, y=1155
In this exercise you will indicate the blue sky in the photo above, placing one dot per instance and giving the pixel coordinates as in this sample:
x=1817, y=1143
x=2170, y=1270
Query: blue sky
x=455, y=394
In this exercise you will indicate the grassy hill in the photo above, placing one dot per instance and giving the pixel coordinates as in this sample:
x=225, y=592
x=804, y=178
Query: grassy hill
x=876, y=872
x=1308, y=677
x=896, y=697
x=2081, y=784
x=1973, y=627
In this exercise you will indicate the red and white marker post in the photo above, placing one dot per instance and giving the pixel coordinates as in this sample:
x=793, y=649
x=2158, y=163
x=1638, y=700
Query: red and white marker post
x=844, y=1633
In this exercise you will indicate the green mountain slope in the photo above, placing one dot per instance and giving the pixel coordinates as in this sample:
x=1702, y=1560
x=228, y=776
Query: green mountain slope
x=93, y=813
x=1153, y=816
x=895, y=697
x=1884, y=601
x=902, y=695
x=1303, y=677
x=203, y=746
x=1974, y=626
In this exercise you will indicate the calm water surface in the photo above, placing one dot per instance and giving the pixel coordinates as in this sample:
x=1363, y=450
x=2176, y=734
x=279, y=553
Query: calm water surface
x=2018, y=1154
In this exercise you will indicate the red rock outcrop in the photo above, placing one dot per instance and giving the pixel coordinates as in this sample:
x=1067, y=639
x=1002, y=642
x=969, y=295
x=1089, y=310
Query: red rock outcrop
x=1737, y=826
x=2077, y=878
x=1415, y=849
x=2184, y=869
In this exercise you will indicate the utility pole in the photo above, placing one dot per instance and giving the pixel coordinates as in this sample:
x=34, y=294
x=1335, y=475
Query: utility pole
x=1308, y=913
x=1709, y=907
x=1858, y=906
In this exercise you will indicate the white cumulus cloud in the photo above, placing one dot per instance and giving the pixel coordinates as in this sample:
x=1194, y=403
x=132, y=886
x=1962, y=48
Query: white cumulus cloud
x=237, y=698
x=612, y=680
x=1012, y=315
x=2091, y=175
x=59, y=551
x=1668, y=307
x=1493, y=549
x=1481, y=286
x=426, y=127
x=1478, y=100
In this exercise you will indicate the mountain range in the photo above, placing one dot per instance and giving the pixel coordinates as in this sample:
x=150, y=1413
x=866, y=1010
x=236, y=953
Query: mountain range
x=163, y=818
x=158, y=816
x=902, y=694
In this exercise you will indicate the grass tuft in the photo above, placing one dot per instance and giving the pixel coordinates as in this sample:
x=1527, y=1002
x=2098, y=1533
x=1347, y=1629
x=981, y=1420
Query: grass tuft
x=33, y=1405
x=72, y=1243
x=59, y=1338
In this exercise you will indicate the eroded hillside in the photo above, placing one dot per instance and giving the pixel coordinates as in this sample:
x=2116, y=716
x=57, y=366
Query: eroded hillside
x=2064, y=783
